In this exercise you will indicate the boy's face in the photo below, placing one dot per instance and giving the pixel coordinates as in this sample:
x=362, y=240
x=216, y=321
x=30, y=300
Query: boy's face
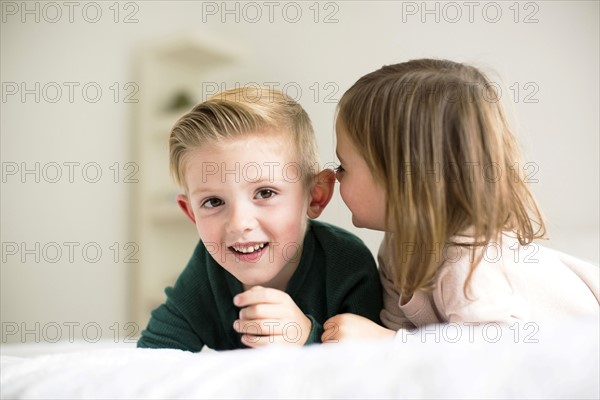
x=250, y=205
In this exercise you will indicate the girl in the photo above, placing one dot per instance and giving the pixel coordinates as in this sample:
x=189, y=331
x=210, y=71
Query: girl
x=427, y=156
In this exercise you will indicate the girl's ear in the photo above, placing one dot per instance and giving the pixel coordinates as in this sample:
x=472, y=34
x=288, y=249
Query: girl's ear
x=186, y=207
x=321, y=192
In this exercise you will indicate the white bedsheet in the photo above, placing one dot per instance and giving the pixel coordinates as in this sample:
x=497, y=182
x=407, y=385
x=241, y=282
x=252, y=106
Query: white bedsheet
x=564, y=363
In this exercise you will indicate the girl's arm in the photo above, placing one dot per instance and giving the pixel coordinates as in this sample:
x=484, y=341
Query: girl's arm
x=497, y=290
x=352, y=326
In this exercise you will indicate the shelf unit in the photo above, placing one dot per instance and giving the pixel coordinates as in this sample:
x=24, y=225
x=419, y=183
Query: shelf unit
x=168, y=71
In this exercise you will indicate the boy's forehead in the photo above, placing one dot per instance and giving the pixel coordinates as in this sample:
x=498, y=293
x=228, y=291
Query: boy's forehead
x=248, y=146
x=244, y=159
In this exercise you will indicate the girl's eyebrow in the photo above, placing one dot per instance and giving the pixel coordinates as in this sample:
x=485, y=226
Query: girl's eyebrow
x=338, y=155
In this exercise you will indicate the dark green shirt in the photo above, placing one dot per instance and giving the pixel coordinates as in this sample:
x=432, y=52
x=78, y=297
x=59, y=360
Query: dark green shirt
x=337, y=274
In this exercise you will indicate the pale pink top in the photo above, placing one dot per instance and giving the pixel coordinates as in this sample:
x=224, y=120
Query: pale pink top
x=511, y=283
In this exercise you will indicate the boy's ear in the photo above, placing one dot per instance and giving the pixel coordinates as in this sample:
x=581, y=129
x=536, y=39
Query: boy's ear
x=321, y=192
x=186, y=207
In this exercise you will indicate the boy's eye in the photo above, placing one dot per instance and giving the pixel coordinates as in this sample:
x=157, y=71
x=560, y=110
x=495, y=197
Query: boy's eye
x=265, y=194
x=212, y=203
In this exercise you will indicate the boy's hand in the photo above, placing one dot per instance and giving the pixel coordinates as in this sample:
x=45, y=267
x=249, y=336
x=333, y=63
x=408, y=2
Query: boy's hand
x=270, y=316
x=352, y=326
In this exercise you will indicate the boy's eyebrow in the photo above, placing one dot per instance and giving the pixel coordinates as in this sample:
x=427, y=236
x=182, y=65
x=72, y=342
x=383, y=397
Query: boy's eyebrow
x=338, y=155
x=272, y=180
x=269, y=179
x=201, y=190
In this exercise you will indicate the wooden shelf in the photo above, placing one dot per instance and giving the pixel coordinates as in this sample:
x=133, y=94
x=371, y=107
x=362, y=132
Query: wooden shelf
x=167, y=68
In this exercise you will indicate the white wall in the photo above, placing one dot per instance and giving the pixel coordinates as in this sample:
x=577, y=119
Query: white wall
x=557, y=55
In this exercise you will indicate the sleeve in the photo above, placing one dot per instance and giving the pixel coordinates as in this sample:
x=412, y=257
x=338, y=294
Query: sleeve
x=587, y=272
x=168, y=328
x=172, y=325
x=391, y=315
x=316, y=331
x=362, y=287
x=496, y=292
x=343, y=278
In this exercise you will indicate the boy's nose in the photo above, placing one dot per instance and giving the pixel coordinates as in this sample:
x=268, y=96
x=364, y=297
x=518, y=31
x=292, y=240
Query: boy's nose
x=241, y=219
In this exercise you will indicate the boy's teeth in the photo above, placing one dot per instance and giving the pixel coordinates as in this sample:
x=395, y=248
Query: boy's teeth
x=249, y=249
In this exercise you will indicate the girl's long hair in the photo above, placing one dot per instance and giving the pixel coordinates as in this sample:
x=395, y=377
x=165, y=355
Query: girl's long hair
x=434, y=135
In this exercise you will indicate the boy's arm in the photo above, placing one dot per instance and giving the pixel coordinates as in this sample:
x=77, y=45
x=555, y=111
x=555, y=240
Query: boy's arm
x=316, y=331
x=358, y=313
x=351, y=279
x=361, y=286
x=168, y=328
x=175, y=323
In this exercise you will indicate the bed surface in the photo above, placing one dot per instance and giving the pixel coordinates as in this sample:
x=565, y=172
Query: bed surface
x=434, y=362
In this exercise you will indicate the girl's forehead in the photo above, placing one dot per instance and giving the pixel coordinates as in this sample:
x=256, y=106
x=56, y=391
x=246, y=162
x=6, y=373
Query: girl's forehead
x=343, y=142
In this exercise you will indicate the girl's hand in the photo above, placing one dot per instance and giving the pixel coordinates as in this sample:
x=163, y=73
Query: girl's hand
x=270, y=316
x=352, y=326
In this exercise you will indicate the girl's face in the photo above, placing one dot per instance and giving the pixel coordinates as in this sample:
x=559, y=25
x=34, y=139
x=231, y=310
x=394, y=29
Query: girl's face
x=364, y=197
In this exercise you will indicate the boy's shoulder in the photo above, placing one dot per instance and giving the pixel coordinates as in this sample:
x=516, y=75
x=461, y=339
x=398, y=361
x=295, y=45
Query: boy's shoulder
x=336, y=239
x=342, y=257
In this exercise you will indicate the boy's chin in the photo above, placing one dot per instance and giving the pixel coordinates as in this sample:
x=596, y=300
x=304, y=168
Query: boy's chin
x=250, y=285
x=254, y=281
x=264, y=281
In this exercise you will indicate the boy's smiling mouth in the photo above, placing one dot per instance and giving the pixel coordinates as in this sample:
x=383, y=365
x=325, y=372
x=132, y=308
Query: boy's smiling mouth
x=247, y=248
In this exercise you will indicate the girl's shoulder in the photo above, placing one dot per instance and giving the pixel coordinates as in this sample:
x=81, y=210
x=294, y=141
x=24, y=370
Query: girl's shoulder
x=463, y=257
x=505, y=262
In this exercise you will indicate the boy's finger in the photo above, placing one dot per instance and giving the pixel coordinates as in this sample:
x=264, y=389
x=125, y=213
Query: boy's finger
x=261, y=341
x=261, y=311
x=259, y=294
x=258, y=327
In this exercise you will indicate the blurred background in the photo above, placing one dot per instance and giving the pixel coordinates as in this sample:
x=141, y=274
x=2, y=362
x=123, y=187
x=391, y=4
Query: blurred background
x=91, y=233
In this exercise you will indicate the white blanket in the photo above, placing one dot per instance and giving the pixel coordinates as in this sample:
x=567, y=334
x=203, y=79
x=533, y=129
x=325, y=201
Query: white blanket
x=484, y=362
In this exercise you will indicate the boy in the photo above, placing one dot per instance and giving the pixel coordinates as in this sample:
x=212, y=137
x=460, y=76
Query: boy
x=262, y=272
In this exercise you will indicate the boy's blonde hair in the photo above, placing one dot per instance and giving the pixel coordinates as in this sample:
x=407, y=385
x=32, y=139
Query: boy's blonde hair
x=238, y=112
x=434, y=135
